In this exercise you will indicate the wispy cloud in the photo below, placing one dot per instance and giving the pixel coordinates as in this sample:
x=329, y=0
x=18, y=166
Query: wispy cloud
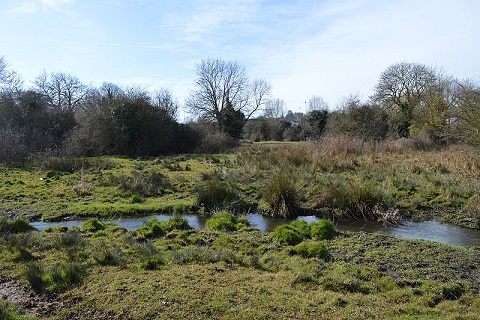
x=54, y=4
x=25, y=7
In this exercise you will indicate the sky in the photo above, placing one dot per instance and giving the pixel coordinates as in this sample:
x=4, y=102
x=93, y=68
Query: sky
x=302, y=48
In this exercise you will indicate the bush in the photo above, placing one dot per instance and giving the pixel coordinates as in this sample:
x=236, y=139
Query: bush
x=151, y=229
x=13, y=146
x=217, y=142
x=136, y=199
x=322, y=229
x=280, y=194
x=93, y=225
x=309, y=249
x=3, y=225
x=222, y=221
x=286, y=234
x=19, y=226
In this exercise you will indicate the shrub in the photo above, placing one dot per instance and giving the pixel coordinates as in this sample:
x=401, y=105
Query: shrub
x=19, y=226
x=322, y=229
x=213, y=192
x=3, y=225
x=136, y=199
x=151, y=229
x=222, y=221
x=286, y=234
x=281, y=195
x=93, y=225
x=13, y=146
x=310, y=249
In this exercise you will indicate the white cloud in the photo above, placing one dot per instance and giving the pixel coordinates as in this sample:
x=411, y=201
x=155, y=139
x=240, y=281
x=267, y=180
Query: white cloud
x=25, y=7
x=54, y=4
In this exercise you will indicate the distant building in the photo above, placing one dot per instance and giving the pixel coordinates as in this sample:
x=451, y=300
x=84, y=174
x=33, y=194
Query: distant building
x=295, y=119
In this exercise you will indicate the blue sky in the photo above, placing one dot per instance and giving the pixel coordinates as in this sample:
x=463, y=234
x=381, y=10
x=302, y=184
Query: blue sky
x=303, y=48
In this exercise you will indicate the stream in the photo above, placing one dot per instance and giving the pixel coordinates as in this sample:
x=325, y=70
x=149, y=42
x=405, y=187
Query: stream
x=426, y=230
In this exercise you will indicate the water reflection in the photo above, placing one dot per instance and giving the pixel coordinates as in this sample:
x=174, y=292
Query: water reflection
x=427, y=230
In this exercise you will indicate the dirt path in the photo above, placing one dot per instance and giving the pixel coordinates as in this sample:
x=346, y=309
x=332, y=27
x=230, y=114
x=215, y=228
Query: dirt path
x=36, y=305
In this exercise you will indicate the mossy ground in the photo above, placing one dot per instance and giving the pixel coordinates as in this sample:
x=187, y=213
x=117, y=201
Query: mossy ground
x=245, y=274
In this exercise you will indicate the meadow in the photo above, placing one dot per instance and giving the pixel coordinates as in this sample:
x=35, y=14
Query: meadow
x=386, y=181
x=230, y=270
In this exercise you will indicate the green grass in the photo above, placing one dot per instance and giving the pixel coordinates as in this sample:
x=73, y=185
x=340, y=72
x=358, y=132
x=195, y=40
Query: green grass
x=300, y=271
x=347, y=178
x=241, y=274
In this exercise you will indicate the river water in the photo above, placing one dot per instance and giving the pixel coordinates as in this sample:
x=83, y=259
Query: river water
x=427, y=230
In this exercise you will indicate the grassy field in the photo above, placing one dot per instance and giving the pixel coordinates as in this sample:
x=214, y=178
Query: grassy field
x=341, y=177
x=166, y=270
x=105, y=272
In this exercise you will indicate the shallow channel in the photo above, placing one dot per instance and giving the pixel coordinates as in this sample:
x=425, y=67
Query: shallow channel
x=427, y=230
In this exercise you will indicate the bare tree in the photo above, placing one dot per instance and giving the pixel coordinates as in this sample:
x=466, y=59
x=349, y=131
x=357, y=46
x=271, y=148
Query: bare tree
x=317, y=103
x=223, y=88
x=260, y=90
x=402, y=88
x=274, y=108
x=465, y=116
x=164, y=100
x=63, y=91
x=9, y=79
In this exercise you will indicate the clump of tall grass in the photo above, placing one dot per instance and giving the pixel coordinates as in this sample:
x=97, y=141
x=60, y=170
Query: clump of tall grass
x=105, y=254
x=71, y=165
x=213, y=192
x=202, y=254
x=11, y=312
x=15, y=226
x=280, y=193
x=142, y=183
x=356, y=198
x=56, y=278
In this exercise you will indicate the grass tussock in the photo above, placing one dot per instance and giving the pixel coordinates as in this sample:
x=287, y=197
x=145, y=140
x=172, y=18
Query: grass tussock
x=280, y=194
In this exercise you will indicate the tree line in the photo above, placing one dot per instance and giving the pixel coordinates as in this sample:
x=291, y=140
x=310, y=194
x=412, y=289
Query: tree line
x=410, y=100
x=60, y=115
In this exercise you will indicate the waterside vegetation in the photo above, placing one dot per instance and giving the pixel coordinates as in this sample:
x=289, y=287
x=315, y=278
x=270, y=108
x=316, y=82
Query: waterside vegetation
x=177, y=272
x=333, y=177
